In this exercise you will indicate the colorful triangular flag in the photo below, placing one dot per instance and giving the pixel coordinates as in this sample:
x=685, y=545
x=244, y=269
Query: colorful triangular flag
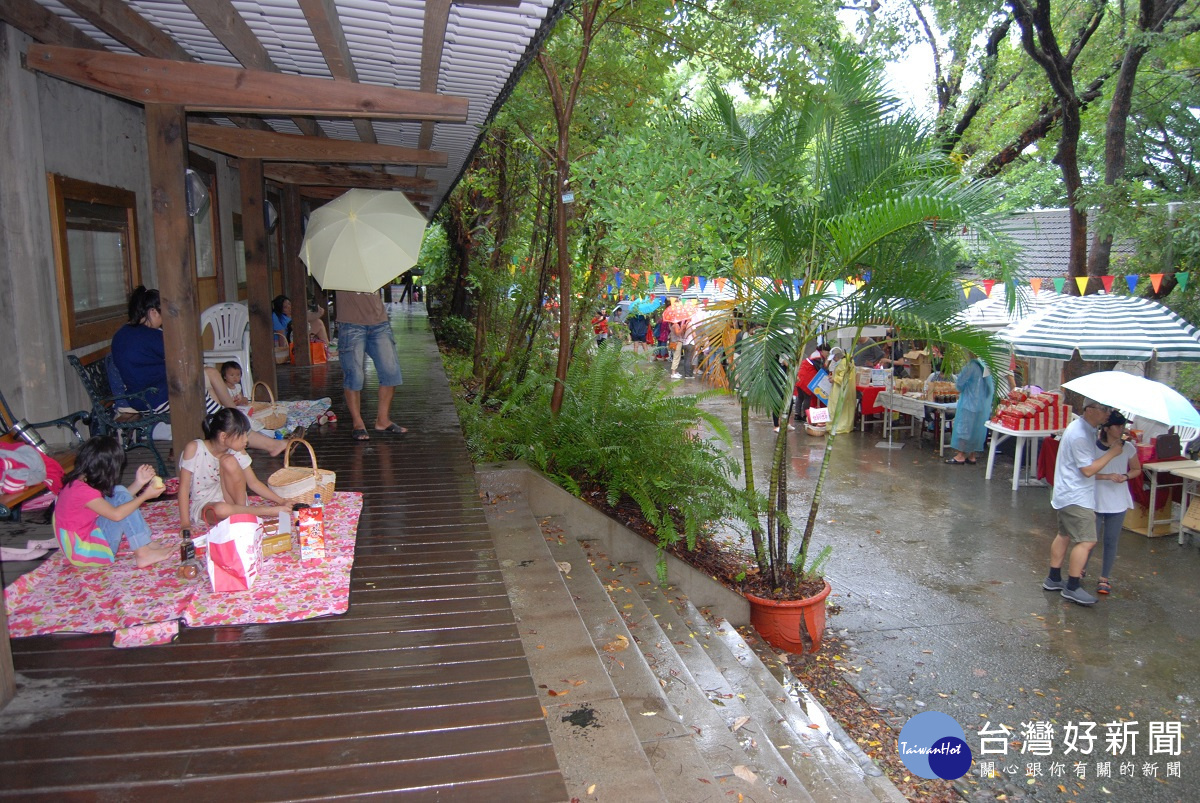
x=687, y=281
x=796, y=286
x=1107, y=281
x=1156, y=281
x=720, y=284
x=1059, y=284
x=617, y=277
x=1082, y=282
x=839, y=285
x=703, y=280
x=988, y=284
x=1182, y=278
x=1132, y=280
x=1036, y=285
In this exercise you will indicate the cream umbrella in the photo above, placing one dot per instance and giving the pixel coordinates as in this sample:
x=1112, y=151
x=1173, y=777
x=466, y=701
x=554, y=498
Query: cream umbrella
x=362, y=240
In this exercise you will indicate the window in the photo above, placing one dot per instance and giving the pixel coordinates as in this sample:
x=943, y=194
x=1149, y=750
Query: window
x=96, y=256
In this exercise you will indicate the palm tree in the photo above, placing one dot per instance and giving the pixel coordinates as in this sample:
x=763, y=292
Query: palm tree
x=847, y=188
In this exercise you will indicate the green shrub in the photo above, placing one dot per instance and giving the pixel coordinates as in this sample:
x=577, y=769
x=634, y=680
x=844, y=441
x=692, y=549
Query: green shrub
x=621, y=430
x=455, y=333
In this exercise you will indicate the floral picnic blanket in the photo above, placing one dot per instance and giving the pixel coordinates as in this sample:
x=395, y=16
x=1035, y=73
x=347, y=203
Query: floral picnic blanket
x=146, y=606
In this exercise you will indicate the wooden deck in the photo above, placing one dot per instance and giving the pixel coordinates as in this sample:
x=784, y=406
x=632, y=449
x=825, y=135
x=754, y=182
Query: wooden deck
x=422, y=688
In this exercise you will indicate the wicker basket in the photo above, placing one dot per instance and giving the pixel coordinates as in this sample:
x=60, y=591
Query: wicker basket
x=300, y=483
x=272, y=416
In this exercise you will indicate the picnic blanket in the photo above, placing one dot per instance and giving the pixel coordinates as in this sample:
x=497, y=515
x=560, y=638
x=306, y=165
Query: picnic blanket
x=300, y=413
x=146, y=606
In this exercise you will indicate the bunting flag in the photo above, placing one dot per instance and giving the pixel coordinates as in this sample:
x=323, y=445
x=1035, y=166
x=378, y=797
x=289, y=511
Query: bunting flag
x=617, y=278
x=839, y=285
x=819, y=285
x=966, y=288
x=988, y=284
x=866, y=276
x=657, y=277
x=720, y=284
x=646, y=273
x=1132, y=281
x=1182, y=278
x=1156, y=281
x=1036, y=284
x=796, y=286
x=1082, y=282
x=1107, y=281
x=608, y=289
x=778, y=285
x=1059, y=284
x=686, y=282
x=512, y=268
x=703, y=280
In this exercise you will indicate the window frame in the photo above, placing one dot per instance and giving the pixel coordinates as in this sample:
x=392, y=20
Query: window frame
x=62, y=189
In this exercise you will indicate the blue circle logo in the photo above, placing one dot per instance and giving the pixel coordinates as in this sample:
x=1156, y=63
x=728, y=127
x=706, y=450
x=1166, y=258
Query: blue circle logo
x=933, y=745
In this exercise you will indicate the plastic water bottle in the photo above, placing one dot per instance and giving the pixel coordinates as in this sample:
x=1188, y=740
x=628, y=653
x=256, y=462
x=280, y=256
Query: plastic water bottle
x=317, y=501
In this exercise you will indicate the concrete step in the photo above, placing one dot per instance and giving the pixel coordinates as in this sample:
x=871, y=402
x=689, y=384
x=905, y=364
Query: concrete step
x=842, y=759
x=724, y=733
x=597, y=747
x=798, y=706
x=676, y=751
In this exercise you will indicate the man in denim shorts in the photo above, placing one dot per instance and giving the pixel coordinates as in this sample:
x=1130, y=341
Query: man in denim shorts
x=1075, y=500
x=364, y=330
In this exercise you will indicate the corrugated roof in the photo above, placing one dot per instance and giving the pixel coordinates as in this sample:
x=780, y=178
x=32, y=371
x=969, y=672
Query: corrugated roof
x=1043, y=241
x=486, y=45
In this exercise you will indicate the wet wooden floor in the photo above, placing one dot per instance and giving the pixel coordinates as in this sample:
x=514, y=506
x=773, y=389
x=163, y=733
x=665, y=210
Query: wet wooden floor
x=421, y=690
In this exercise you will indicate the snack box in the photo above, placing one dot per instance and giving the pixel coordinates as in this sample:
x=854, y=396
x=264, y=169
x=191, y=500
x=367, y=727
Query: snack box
x=310, y=527
x=277, y=536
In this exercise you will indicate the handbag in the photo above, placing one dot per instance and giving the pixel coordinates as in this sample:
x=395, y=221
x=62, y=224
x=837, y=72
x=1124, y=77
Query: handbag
x=271, y=416
x=302, y=483
x=1166, y=447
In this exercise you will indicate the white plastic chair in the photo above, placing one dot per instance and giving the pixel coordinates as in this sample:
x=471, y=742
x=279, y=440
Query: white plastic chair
x=230, y=324
x=1186, y=436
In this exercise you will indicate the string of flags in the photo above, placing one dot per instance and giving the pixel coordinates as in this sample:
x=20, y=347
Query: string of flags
x=620, y=282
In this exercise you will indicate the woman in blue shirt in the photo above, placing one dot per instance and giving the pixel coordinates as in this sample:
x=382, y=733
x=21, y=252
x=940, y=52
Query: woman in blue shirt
x=281, y=317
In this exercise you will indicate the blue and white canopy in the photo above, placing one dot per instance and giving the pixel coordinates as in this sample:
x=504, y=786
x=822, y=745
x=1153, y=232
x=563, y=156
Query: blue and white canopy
x=1104, y=327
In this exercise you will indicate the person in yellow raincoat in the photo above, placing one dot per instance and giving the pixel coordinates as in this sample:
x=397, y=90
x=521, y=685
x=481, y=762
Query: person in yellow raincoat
x=843, y=399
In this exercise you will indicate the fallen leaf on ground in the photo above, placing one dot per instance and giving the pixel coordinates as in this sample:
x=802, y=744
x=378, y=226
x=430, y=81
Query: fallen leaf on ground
x=564, y=567
x=617, y=645
x=738, y=723
x=745, y=773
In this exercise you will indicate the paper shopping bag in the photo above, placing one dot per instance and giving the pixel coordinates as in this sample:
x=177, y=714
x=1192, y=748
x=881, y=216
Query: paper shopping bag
x=234, y=553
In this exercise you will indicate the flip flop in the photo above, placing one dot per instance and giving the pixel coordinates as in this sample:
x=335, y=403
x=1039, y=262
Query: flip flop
x=360, y=435
x=953, y=462
x=1103, y=587
x=393, y=429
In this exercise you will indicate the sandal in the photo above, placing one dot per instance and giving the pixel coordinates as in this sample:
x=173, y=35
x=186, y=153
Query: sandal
x=1103, y=587
x=360, y=435
x=952, y=462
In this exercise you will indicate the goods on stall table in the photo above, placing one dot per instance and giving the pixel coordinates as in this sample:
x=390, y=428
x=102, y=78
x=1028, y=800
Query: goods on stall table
x=1022, y=411
x=941, y=392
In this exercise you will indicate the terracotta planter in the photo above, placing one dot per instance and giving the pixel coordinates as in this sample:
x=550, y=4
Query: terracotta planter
x=779, y=622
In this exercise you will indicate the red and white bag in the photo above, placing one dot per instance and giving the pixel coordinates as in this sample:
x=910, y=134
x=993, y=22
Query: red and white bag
x=234, y=553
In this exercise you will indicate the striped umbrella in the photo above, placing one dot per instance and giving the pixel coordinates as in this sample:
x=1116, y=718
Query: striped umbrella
x=1104, y=327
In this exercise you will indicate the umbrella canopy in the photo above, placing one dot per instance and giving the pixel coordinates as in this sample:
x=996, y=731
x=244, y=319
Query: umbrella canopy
x=676, y=312
x=1104, y=327
x=362, y=240
x=992, y=313
x=644, y=306
x=1137, y=395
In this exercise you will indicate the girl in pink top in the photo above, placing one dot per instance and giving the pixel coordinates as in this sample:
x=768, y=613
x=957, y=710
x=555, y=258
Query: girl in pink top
x=93, y=512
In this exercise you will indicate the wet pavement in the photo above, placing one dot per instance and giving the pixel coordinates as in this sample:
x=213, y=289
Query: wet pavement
x=937, y=573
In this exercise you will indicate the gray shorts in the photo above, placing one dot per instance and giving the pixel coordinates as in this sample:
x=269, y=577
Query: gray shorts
x=1077, y=523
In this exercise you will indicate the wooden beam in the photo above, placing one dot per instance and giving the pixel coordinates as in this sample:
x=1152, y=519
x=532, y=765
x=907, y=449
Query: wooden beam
x=275, y=147
x=295, y=273
x=323, y=175
x=329, y=193
x=258, y=282
x=129, y=28
x=175, y=266
x=208, y=87
x=433, y=43
x=326, y=29
x=224, y=22
x=44, y=26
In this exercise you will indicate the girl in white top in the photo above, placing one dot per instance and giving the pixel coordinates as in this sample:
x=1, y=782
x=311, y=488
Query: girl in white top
x=1112, y=493
x=215, y=477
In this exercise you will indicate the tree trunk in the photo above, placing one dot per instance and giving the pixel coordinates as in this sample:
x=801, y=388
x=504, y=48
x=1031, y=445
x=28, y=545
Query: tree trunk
x=756, y=534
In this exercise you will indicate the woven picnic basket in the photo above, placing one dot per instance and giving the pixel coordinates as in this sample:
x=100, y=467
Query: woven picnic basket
x=300, y=483
x=271, y=416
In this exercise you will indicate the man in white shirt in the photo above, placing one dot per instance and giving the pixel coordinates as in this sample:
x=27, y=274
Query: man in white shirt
x=1075, y=500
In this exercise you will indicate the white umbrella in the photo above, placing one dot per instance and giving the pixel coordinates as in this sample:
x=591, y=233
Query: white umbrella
x=992, y=313
x=1137, y=395
x=1104, y=327
x=362, y=240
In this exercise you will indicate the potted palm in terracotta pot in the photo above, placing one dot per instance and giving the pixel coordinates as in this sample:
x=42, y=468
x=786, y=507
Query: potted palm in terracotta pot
x=855, y=220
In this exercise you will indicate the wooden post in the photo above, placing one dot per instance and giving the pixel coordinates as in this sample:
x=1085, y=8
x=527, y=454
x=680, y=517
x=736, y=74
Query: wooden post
x=258, y=285
x=295, y=274
x=175, y=260
x=8, y=683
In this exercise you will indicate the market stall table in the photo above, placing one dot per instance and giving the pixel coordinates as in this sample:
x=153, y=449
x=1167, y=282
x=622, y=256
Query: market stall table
x=1191, y=492
x=1030, y=437
x=911, y=406
x=1153, y=470
x=869, y=396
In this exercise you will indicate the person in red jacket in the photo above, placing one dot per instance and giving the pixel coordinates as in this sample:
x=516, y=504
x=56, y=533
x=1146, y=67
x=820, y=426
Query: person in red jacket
x=809, y=368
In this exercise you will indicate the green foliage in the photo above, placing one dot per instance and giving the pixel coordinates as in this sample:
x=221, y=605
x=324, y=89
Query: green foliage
x=816, y=567
x=618, y=430
x=454, y=332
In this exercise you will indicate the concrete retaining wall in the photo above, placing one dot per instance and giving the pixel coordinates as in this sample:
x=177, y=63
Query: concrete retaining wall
x=621, y=544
